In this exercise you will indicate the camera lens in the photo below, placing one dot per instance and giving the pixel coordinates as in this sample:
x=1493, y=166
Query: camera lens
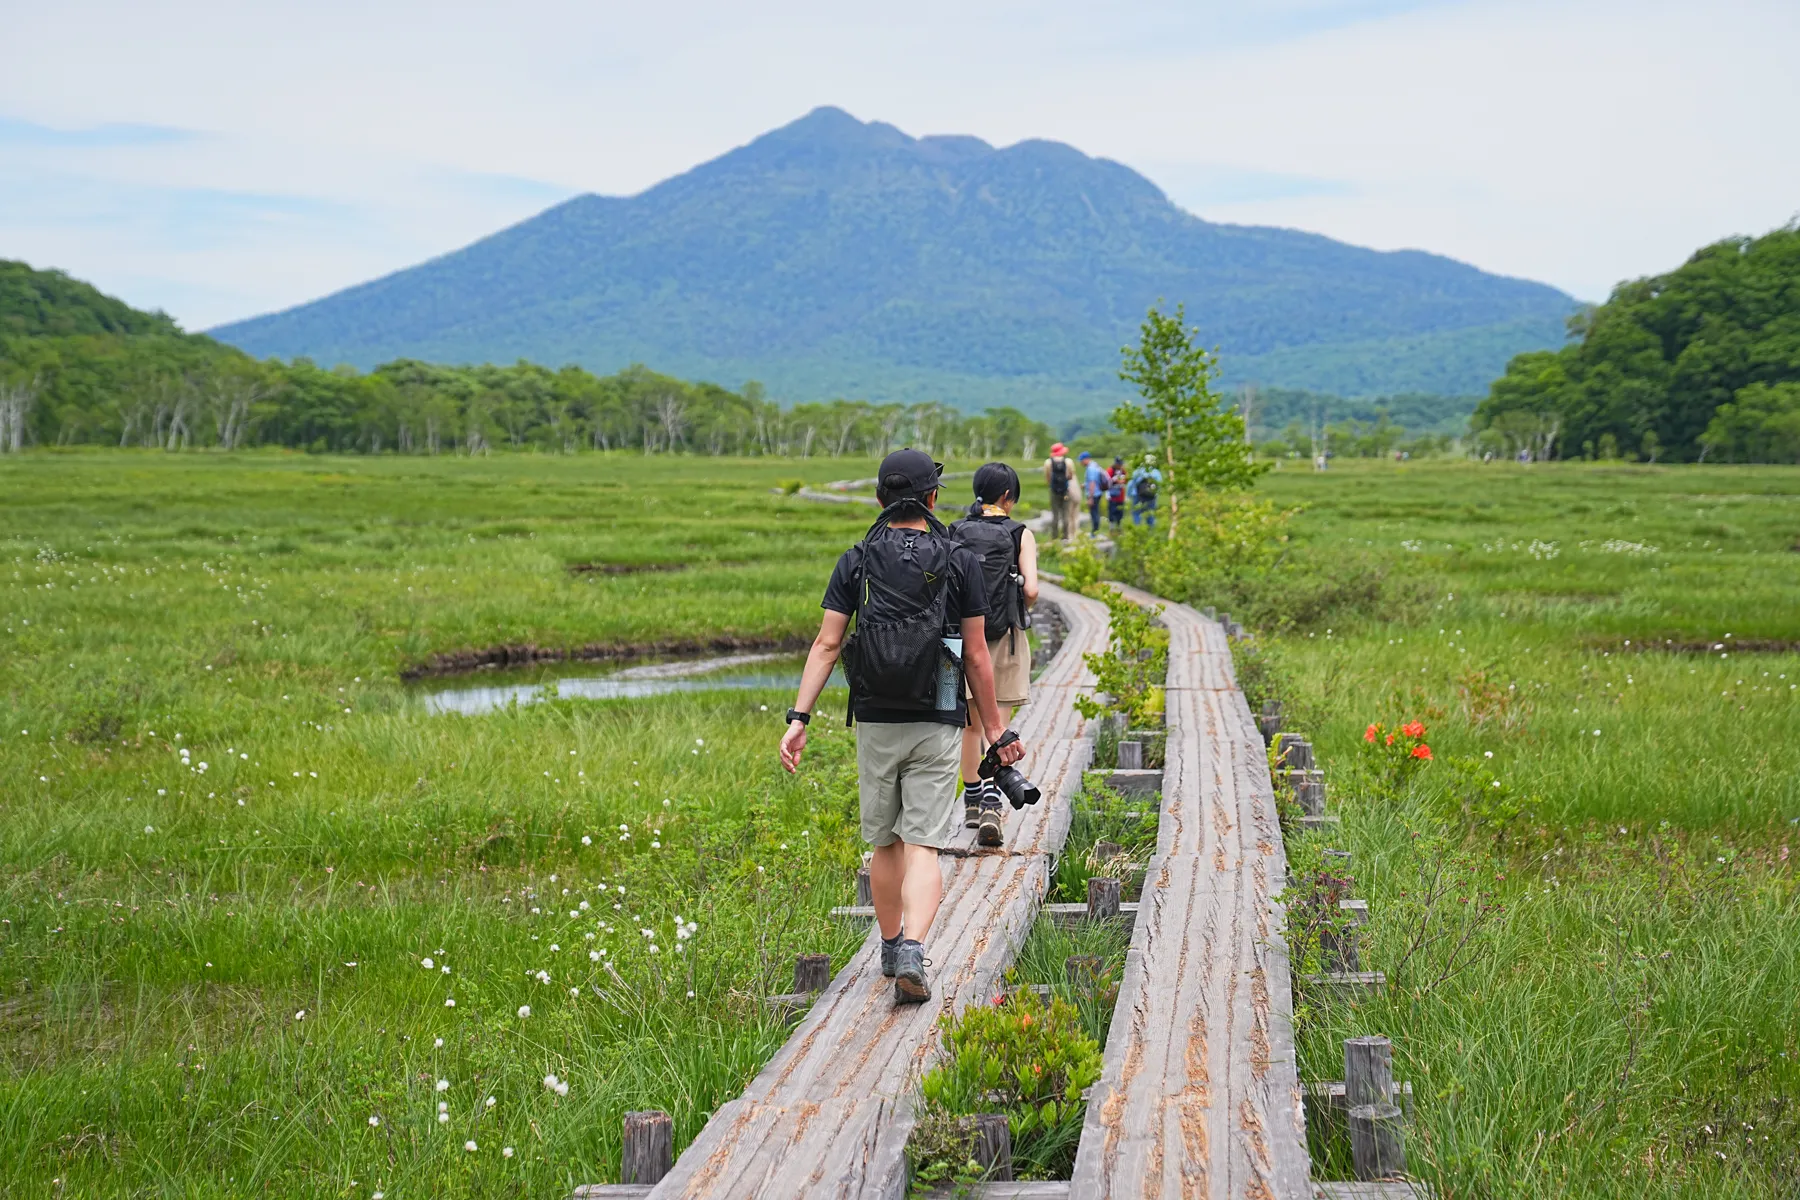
x=1019, y=790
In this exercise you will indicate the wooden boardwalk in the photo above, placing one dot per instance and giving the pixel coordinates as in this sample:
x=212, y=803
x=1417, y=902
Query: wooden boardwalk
x=1200, y=1095
x=830, y=1114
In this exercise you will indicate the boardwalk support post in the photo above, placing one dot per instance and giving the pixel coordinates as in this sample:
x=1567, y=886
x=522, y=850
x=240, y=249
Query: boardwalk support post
x=1103, y=899
x=1368, y=1071
x=865, y=890
x=1377, y=1142
x=993, y=1146
x=1131, y=756
x=1107, y=851
x=812, y=973
x=649, y=1147
x=1083, y=970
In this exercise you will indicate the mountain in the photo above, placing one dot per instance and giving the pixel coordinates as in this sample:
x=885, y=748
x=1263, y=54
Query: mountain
x=834, y=257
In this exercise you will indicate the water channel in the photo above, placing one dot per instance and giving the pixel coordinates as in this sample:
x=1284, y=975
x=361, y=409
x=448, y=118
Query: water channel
x=592, y=681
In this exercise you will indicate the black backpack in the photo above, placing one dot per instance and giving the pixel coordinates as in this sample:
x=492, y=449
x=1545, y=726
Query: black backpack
x=996, y=542
x=1146, y=489
x=894, y=664
x=1059, y=477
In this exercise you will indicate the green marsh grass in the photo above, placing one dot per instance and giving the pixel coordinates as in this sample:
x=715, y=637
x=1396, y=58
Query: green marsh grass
x=1617, y=820
x=212, y=979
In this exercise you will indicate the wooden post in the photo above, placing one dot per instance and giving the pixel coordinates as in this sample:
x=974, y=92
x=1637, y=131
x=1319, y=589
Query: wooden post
x=1083, y=970
x=1131, y=756
x=1303, y=759
x=1309, y=789
x=865, y=891
x=993, y=1146
x=1103, y=898
x=1212, y=613
x=1285, y=750
x=1368, y=1071
x=649, y=1147
x=1338, y=948
x=812, y=973
x=1107, y=851
x=1377, y=1141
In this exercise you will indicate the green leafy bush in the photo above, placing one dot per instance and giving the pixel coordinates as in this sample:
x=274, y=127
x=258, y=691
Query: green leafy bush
x=1131, y=670
x=1020, y=1057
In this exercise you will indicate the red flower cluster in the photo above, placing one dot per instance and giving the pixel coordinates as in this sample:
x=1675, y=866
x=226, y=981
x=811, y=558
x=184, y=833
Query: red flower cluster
x=1403, y=746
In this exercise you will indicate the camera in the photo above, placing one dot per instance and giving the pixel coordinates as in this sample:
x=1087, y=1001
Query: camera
x=1019, y=790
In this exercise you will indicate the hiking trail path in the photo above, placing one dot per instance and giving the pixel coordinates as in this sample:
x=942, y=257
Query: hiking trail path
x=1199, y=1095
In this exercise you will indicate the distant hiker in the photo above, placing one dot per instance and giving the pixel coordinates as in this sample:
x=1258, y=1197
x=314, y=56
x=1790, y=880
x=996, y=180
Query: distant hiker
x=1093, y=487
x=914, y=592
x=1059, y=476
x=1116, y=479
x=1146, y=481
x=1008, y=554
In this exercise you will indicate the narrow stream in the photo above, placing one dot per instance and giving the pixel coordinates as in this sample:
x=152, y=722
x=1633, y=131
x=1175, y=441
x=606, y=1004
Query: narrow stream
x=588, y=681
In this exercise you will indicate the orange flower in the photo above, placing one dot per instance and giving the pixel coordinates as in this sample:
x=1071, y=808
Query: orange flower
x=1421, y=751
x=1370, y=732
x=1416, y=729
x=1390, y=739
x=1025, y=1021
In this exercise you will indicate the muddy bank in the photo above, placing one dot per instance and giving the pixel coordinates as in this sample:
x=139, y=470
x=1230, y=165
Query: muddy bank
x=1689, y=645
x=623, y=568
x=457, y=662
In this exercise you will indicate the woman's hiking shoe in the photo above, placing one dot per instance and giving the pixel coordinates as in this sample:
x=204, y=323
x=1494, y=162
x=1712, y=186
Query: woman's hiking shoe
x=991, y=832
x=973, y=794
x=889, y=953
x=909, y=974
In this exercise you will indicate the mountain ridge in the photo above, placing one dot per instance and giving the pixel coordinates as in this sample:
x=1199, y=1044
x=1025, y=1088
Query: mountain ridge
x=833, y=256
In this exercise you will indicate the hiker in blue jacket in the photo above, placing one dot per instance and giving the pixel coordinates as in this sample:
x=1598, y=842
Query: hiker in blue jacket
x=1146, y=482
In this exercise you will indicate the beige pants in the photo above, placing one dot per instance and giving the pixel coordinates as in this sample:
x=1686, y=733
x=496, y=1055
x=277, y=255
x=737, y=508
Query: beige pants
x=906, y=781
x=1065, y=514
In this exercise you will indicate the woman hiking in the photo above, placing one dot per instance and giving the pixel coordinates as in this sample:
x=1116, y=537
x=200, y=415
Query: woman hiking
x=1008, y=554
x=919, y=599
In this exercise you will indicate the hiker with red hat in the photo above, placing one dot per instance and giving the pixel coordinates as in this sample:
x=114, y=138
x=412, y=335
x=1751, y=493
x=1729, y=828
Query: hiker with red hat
x=1065, y=505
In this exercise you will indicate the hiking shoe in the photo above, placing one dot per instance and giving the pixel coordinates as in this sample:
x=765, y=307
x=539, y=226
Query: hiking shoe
x=991, y=832
x=889, y=951
x=909, y=974
x=972, y=797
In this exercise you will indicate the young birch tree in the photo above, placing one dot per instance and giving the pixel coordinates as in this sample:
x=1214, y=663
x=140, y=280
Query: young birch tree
x=1201, y=445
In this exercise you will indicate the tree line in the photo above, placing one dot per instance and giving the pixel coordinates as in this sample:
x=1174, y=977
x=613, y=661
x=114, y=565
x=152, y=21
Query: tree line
x=1700, y=364
x=79, y=368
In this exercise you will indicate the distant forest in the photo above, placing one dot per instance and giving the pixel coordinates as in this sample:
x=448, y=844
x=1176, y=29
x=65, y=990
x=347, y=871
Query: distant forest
x=78, y=367
x=1700, y=364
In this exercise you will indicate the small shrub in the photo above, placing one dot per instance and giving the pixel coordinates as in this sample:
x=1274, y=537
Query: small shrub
x=1020, y=1057
x=1131, y=670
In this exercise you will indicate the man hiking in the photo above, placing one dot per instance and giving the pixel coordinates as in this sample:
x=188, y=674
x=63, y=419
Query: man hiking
x=1059, y=477
x=1146, y=481
x=908, y=585
x=1008, y=554
x=1116, y=479
x=1094, y=486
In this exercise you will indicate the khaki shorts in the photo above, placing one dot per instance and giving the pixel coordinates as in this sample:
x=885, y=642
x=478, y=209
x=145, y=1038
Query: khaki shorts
x=1011, y=656
x=906, y=778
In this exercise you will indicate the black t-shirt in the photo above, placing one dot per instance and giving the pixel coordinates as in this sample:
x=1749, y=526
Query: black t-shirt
x=966, y=597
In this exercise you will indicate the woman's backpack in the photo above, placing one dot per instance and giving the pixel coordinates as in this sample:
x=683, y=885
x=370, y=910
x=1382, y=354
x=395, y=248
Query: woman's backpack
x=1059, y=477
x=996, y=542
x=1146, y=488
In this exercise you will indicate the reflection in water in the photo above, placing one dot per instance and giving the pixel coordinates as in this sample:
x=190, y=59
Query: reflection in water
x=629, y=683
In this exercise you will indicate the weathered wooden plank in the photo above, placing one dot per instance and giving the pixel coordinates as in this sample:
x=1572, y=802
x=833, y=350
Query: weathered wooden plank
x=829, y=1114
x=1199, y=1094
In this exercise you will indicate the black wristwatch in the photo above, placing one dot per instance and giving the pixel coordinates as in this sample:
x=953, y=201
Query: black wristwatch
x=795, y=714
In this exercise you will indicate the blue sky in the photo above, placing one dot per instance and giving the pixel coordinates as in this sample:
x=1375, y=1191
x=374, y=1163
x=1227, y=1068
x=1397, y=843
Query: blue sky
x=218, y=159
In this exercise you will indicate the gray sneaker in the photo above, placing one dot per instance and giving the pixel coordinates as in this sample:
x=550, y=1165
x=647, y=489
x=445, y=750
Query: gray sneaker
x=909, y=974
x=888, y=955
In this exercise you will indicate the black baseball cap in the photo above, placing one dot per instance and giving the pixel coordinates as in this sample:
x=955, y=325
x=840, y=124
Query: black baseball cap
x=908, y=472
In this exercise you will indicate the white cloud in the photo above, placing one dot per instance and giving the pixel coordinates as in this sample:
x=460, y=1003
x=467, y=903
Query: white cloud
x=314, y=146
